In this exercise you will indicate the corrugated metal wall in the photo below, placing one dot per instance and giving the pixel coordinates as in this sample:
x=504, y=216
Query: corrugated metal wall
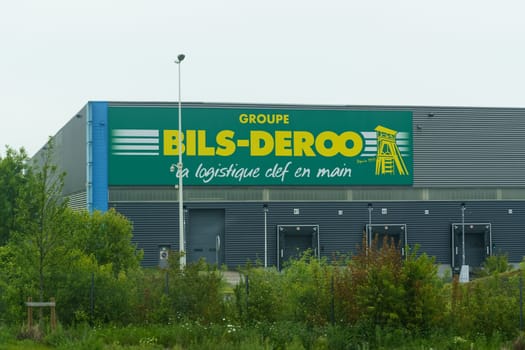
x=70, y=153
x=154, y=225
x=469, y=147
x=341, y=225
x=78, y=200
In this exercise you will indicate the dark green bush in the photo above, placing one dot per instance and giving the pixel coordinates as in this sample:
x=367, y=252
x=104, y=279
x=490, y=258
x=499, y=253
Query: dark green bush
x=425, y=299
x=495, y=264
x=190, y=293
x=113, y=295
x=299, y=293
x=488, y=306
x=380, y=296
x=259, y=295
x=307, y=290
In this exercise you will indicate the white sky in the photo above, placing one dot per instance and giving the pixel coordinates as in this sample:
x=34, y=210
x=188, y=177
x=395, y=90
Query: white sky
x=56, y=55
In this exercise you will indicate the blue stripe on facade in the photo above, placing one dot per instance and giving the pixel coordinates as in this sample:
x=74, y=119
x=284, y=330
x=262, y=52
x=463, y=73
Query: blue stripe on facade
x=99, y=155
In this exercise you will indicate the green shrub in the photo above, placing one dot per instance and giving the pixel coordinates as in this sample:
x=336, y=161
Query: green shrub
x=259, y=295
x=193, y=292
x=113, y=295
x=370, y=289
x=487, y=306
x=425, y=299
x=308, y=292
x=495, y=264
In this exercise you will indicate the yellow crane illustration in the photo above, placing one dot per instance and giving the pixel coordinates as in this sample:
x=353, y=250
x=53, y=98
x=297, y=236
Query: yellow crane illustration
x=389, y=157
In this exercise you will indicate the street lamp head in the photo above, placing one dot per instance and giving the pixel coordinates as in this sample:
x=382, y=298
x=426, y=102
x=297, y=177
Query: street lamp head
x=463, y=205
x=370, y=206
x=265, y=208
x=180, y=58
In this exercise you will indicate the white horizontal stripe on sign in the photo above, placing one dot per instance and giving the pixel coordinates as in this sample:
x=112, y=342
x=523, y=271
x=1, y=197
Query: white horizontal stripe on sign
x=135, y=153
x=134, y=140
x=135, y=133
x=402, y=142
x=370, y=149
x=136, y=147
x=370, y=142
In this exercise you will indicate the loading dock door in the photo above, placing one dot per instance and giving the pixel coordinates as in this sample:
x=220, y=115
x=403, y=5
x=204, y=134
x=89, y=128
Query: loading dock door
x=294, y=240
x=396, y=232
x=478, y=244
x=205, y=235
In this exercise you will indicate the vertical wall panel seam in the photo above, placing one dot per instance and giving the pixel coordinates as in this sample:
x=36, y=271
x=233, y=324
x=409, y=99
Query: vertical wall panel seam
x=89, y=159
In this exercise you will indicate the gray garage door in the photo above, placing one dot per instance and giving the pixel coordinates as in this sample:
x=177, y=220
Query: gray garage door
x=478, y=244
x=393, y=233
x=294, y=240
x=205, y=235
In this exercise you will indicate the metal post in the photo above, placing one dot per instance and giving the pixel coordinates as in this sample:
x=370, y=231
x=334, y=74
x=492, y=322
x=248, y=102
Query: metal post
x=92, y=299
x=180, y=169
x=463, y=233
x=265, y=209
x=29, y=313
x=247, y=296
x=521, y=300
x=53, y=317
x=369, y=233
x=167, y=284
x=332, y=304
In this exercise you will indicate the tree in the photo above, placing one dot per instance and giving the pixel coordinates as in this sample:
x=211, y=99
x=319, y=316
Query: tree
x=13, y=177
x=41, y=208
x=54, y=251
x=106, y=236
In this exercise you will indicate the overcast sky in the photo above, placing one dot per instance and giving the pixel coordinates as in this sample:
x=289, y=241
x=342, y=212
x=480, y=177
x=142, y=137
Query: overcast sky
x=56, y=55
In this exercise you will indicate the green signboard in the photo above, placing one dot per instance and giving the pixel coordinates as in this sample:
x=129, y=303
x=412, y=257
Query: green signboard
x=247, y=146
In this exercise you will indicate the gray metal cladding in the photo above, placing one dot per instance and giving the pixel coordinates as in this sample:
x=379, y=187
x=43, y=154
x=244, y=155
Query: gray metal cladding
x=71, y=149
x=70, y=154
x=77, y=201
x=154, y=225
x=469, y=147
x=341, y=226
x=244, y=239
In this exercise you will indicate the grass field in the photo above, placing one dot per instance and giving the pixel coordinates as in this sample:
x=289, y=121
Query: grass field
x=192, y=336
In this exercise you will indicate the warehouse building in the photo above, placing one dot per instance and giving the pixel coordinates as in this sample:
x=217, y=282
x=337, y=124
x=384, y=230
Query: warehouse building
x=266, y=182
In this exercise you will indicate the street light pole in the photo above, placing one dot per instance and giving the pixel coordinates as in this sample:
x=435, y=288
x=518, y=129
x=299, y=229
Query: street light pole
x=265, y=209
x=180, y=168
x=463, y=207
